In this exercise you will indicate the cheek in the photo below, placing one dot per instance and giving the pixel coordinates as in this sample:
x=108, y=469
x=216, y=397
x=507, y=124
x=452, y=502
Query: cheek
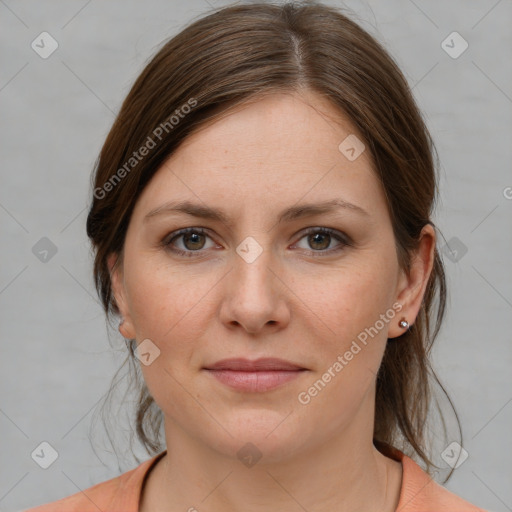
x=165, y=300
x=348, y=302
x=170, y=308
x=175, y=309
x=351, y=343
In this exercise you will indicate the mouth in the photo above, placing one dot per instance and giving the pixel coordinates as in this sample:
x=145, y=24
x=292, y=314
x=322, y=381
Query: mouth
x=255, y=376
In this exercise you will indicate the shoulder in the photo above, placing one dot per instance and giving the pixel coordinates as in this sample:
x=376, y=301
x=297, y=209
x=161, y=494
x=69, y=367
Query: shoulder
x=420, y=493
x=119, y=494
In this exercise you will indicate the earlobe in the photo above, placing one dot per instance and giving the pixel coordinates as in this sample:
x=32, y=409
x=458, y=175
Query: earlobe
x=119, y=296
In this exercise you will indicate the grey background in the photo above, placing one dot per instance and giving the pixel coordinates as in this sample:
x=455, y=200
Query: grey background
x=57, y=361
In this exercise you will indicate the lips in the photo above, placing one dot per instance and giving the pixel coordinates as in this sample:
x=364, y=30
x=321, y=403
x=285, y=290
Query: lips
x=262, y=364
x=257, y=376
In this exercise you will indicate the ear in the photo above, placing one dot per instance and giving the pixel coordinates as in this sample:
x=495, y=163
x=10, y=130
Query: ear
x=411, y=286
x=115, y=267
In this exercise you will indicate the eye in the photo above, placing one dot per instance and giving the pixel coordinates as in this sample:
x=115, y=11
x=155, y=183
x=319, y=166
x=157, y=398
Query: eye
x=192, y=240
x=319, y=239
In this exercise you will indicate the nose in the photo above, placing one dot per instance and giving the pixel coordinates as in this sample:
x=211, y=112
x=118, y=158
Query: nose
x=254, y=296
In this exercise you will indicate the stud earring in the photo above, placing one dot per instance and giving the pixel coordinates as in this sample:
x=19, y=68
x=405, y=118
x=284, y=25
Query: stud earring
x=404, y=324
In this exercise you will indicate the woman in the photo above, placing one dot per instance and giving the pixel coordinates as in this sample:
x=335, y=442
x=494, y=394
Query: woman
x=261, y=220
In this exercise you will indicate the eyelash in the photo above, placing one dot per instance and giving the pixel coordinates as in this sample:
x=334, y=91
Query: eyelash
x=341, y=237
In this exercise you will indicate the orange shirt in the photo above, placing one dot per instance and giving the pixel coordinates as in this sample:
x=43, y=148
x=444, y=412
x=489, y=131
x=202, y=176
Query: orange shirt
x=419, y=493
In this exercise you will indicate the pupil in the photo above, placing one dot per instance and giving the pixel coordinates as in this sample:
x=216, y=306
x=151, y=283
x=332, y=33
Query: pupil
x=315, y=240
x=194, y=239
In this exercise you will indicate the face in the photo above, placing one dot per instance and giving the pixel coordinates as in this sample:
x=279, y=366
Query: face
x=265, y=277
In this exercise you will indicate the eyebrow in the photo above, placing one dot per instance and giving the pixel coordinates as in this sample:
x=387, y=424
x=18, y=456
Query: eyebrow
x=287, y=215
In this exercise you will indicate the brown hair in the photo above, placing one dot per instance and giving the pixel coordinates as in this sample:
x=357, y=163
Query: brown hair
x=236, y=55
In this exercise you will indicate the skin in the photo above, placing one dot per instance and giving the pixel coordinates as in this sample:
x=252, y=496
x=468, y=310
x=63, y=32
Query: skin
x=289, y=303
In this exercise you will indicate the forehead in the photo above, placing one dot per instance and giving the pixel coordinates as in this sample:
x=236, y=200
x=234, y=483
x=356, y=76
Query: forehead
x=279, y=150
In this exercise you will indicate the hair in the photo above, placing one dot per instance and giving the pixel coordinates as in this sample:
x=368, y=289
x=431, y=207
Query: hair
x=234, y=56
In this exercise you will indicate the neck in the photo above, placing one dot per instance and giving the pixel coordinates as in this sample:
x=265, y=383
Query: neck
x=346, y=476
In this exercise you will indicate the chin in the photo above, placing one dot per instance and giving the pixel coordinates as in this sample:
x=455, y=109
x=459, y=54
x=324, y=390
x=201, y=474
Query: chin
x=269, y=436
